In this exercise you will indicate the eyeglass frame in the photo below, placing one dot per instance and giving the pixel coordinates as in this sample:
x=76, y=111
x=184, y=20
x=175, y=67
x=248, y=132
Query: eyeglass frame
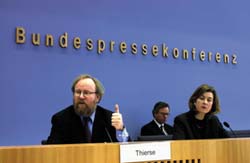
x=84, y=93
x=164, y=114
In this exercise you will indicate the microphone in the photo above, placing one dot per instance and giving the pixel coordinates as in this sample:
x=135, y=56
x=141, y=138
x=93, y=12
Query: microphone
x=107, y=132
x=228, y=126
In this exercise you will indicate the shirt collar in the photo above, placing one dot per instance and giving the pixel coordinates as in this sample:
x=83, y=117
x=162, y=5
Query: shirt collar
x=158, y=124
x=92, y=116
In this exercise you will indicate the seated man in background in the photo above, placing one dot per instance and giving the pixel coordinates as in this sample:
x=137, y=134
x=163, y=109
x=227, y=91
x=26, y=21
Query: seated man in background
x=158, y=125
x=85, y=121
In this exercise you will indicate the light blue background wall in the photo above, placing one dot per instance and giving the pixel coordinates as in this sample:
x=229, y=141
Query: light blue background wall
x=35, y=80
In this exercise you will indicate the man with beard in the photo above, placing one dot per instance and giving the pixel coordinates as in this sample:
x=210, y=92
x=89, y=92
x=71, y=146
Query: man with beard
x=85, y=121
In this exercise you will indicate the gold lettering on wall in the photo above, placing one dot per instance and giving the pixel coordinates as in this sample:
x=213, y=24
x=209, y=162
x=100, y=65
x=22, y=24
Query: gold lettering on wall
x=112, y=45
x=185, y=54
x=134, y=48
x=63, y=40
x=164, y=50
x=217, y=57
x=100, y=46
x=144, y=49
x=175, y=53
x=202, y=55
x=193, y=53
x=209, y=56
x=21, y=37
x=89, y=44
x=226, y=58
x=36, y=39
x=154, y=50
x=234, y=60
x=123, y=47
x=49, y=40
x=77, y=43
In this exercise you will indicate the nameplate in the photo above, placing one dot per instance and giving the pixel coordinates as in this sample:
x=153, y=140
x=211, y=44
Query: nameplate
x=145, y=151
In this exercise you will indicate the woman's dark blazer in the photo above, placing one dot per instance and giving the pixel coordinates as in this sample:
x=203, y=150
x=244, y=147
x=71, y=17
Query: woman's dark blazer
x=185, y=127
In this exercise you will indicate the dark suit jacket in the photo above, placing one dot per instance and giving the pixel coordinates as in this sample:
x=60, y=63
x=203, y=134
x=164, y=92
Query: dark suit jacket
x=185, y=127
x=67, y=127
x=152, y=129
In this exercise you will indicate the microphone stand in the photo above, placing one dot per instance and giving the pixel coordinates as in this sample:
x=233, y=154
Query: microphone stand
x=228, y=126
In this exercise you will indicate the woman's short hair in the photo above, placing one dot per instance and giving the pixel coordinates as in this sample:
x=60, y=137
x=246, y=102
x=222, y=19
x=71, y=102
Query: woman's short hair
x=199, y=92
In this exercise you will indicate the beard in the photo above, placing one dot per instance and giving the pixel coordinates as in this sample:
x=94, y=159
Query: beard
x=83, y=109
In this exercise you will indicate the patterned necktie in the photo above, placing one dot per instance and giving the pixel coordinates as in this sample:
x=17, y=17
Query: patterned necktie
x=86, y=129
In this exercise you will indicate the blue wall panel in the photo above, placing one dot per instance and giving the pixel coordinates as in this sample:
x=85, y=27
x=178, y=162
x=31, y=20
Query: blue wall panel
x=35, y=80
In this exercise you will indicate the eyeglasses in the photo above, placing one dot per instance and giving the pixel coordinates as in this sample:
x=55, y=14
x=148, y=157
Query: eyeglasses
x=164, y=114
x=84, y=93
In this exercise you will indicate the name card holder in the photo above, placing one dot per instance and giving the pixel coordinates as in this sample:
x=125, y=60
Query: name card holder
x=145, y=151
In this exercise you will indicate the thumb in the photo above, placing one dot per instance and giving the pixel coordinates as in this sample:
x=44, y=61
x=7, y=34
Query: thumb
x=116, y=108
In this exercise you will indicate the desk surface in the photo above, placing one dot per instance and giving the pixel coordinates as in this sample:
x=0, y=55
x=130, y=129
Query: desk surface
x=203, y=151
